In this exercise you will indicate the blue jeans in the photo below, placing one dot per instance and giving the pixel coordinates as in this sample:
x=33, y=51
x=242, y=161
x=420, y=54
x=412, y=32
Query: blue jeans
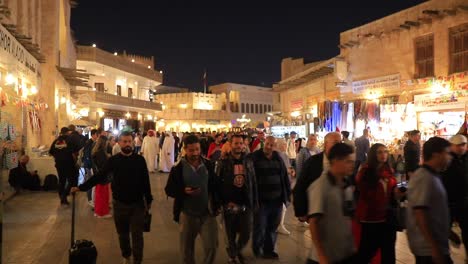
x=266, y=222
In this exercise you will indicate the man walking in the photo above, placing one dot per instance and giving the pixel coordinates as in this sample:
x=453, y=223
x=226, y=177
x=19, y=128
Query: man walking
x=330, y=227
x=362, y=148
x=192, y=183
x=131, y=190
x=412, y=153
x=305, y=153
x=65, y=153
x=274, y=190
x=291, y=148
x=428, y=219
x=237, y=192
x=455, y=180
x=312, y=169
x=259, y=142
x=88, y=163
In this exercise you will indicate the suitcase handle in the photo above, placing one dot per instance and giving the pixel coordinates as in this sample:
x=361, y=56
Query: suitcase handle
x=73, y=221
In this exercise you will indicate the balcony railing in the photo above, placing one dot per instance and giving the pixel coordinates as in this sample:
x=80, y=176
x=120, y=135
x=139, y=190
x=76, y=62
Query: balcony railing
x=194, y=114
x=103, y=57
x=106, y=98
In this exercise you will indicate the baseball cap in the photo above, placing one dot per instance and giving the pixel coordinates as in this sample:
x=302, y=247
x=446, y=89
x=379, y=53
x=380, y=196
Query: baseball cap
x=458, y=140
x=293, y=133
x=64, y=130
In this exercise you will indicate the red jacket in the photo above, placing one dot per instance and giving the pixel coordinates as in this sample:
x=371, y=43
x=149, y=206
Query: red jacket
x=374, y=200
x=212, y=149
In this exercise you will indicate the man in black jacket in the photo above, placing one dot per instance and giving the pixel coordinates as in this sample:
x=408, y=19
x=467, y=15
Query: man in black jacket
x=455, y=180
x=313, y=168
x=65, y=153
x=412, y=152
x=192, y=184
x=237, y=192
x=131, y=190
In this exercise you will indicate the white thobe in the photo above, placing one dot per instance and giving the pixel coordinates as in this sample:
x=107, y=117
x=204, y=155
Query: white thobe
x=150, y=149
x=167, y=154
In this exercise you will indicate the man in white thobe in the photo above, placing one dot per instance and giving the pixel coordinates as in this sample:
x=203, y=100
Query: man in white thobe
x=167, y=153
x=150, y=150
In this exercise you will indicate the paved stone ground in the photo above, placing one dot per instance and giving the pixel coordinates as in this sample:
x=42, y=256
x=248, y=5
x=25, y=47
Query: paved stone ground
x=37, y=231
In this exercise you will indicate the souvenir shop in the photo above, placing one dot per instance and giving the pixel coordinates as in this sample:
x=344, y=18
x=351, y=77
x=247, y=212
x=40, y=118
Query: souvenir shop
x=20, y=106
x=442, y=111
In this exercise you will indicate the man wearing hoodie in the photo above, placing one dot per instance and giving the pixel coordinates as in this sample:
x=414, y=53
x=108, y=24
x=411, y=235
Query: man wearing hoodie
x=65, y=153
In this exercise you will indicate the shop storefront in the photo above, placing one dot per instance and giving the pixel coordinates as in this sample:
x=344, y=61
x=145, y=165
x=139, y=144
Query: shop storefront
x=20, y=107
x=441, y=113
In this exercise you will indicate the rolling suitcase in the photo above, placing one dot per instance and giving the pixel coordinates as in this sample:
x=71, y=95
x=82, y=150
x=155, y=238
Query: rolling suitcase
x=81, y=251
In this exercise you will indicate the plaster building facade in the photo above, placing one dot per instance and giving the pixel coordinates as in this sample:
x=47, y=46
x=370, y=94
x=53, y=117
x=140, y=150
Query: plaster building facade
x=246, y=102
x=416, y=58
x=192, y=112
x=405, y=71
x=119, y=91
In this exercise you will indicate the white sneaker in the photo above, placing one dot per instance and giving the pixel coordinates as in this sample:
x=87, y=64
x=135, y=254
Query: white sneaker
x=127, y=260
x=283, y=230
x=103, y=216
x=304, y=224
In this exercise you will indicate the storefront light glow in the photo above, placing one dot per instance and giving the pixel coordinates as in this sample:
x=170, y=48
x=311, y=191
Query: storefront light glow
x=295, y=114
x=9, y=79
x=243, y=119
x=115, y=132
x=94, y=45
x=139, y=116
x=84, y=112
x=33, y=90
x=149, y=117
x=127, y=115
x=101, y=113
x=63, y=100
x=183, y=106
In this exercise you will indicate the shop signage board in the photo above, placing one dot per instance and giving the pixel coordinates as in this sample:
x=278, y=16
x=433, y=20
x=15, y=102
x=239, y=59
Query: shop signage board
x=213, y=122
x=278, y=131
x=11, y=48
x=449, y=101
x=388, y=82
x=297, y=104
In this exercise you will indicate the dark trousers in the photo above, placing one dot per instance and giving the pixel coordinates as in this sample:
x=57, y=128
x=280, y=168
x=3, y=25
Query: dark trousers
x=376, y=236
x=88, y=175
x=461, y=216
x=350, y=260
x=68, y=177
x=266, y=221
x=238, y=228
x=129, y=218
x=428, y=260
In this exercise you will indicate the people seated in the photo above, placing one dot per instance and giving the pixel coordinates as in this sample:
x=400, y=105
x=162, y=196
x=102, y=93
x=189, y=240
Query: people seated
x=20, y=178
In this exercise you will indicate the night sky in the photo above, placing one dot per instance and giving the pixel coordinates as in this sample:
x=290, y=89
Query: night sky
x=235, y=41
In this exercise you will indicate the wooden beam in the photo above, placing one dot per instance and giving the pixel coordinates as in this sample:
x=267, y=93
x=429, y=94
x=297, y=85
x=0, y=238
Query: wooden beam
x=405, y=26
x=431, y=12
x=412, y=23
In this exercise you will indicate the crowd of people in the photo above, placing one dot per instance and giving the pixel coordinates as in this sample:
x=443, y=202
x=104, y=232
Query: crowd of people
x=347, y=194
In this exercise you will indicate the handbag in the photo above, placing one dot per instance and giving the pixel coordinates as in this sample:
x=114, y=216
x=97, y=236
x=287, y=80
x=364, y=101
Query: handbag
x=147, y=219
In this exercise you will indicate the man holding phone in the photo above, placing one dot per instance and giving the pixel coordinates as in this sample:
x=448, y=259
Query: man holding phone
x=192, y=184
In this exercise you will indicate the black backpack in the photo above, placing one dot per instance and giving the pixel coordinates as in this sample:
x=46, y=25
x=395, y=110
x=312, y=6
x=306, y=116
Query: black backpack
x=50, y=183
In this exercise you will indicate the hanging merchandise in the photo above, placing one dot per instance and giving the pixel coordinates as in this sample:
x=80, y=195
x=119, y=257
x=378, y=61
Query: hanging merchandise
x=3, y=131
x=34, y=120
x=11, y=132
x=11, y=159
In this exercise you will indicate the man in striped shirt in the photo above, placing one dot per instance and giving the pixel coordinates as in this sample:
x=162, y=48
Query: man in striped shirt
x=273, y=190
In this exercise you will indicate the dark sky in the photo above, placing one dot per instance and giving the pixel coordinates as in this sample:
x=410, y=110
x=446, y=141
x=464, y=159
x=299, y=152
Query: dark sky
x=235, y=41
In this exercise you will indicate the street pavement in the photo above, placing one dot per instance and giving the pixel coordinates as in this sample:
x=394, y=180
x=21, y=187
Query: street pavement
x=36, y=230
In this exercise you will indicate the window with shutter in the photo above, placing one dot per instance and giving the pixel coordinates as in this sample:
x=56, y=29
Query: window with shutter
x=424, y=56
x=458, y=48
